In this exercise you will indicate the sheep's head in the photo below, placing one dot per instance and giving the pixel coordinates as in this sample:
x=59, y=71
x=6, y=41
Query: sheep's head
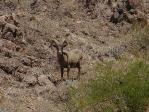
x=59, y=47
x=19, y=33
x=114, y=7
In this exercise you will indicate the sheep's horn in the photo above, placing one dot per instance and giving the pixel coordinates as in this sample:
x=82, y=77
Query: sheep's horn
x=65, y=43
x=54, y=43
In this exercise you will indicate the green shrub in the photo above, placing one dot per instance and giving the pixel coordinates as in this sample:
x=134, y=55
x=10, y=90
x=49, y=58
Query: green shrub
x=126, y=90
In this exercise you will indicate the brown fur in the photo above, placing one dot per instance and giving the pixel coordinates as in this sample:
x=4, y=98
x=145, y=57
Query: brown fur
x=12, y=29
x=67, y=60
x=7, y=19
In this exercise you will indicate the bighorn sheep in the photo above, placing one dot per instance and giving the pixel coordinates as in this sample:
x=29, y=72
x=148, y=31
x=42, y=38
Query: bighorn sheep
x=12, y=29
x=13, y=19
x=7, y=19
x=67, y=60
x=3, y=20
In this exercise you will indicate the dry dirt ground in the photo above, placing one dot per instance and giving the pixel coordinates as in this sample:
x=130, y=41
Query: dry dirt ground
x=29, y=73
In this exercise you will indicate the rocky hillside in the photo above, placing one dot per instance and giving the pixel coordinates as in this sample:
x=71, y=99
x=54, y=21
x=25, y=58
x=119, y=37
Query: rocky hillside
x=29, y=72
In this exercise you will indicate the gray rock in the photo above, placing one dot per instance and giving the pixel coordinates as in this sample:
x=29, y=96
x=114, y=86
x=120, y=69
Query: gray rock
x=43, y=80
x=47, y=92
x=30, y=80
x=63, y=91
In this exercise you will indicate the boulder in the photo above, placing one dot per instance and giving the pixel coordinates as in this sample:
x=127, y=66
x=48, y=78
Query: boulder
x=30, y=80
x=43, y=80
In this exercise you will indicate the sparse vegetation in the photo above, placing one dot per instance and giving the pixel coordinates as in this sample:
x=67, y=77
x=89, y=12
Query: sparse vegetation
x=139, y=43
x=121, y=88
x=29, y=70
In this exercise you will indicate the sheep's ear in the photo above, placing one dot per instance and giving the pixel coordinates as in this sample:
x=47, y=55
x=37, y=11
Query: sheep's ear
x=54, y=44
x=65, y=43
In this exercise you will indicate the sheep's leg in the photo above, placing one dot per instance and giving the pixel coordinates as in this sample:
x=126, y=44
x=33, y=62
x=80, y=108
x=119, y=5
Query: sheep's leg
x=68, y=69
x=2, y=28
x=15, y=33
x=5, y=31
x=79, y=72
x=62, y=73
x=3, y=34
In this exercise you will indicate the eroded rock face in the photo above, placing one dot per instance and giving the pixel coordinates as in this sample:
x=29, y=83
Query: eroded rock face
x=132, y=4
x=48, y=92
x=125, y=10
x=9, y=66
x=63, y=91
x=29, y=72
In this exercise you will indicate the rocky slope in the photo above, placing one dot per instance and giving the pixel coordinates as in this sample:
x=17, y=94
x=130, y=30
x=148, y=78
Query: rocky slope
x=29, y=73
